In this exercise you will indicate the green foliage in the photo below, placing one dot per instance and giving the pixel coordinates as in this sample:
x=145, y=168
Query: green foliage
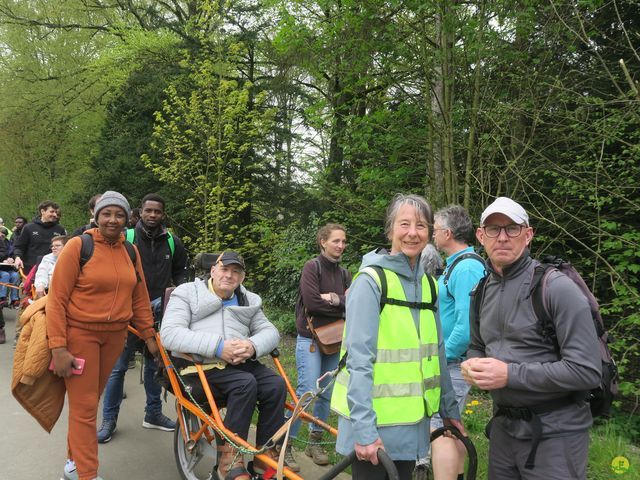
x=283, y=319
x=207, y=138
x=289, y=249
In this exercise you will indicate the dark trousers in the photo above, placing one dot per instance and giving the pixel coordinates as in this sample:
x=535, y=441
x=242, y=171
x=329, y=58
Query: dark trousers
x=368, y=471
x=558, y=458
x=242, y=388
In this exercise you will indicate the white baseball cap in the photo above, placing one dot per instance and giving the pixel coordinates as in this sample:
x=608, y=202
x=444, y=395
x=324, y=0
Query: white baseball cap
x=507, y=207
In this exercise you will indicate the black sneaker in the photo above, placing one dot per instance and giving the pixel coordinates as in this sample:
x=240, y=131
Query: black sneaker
x=106, y=430
x=159, y=421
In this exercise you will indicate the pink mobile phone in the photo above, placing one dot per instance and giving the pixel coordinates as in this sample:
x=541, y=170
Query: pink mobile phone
x=75, y=371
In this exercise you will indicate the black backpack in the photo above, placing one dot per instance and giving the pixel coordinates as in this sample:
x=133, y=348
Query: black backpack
x=86, y=252
x=601, y=397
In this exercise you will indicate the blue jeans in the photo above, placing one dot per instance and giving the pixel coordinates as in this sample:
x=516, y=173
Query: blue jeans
x=115, y=385
x=312, y=365
x=12, y=277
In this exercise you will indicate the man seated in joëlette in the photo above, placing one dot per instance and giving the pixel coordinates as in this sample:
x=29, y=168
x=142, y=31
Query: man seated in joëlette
x=220, y=323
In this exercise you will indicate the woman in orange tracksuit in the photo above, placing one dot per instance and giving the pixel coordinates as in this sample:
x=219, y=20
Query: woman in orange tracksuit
x=88, y=311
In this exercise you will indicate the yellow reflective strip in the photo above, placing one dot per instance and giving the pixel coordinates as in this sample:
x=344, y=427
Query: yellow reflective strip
x=432, y=382
x=388, y=355
x=397, y=390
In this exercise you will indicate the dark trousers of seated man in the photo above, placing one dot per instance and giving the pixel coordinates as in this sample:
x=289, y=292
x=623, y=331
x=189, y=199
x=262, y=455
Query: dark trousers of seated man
x=243, y=387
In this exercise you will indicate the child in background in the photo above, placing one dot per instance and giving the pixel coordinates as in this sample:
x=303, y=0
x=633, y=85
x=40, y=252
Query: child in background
x=48, y=263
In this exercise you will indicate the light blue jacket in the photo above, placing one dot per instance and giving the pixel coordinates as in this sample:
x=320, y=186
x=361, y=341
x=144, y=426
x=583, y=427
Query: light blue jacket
x=404, y=442
x=454, y=301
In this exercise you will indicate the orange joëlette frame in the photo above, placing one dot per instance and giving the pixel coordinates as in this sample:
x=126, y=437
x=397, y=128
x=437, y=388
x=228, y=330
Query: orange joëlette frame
x=183, y=402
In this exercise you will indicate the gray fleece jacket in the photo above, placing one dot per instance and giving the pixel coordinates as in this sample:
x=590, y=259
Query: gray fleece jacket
x=508, y=330
x=195, y=322
x=403, y=442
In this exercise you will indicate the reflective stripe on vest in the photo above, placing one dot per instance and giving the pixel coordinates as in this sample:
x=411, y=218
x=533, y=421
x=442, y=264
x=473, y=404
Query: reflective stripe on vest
x=406, y=373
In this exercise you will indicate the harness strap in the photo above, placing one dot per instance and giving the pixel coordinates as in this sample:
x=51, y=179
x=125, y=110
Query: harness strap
x=404, y=303
x=530, y=414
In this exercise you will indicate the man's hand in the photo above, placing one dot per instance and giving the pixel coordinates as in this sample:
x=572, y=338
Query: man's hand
x=40, y=292
x=243, y=351
x=237, y=351
x=9, y=260
x=485, y=373
x=18, y=263
x=369, y=453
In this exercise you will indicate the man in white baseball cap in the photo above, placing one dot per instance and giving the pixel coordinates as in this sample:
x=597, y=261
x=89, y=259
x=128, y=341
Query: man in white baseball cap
x=540, y=427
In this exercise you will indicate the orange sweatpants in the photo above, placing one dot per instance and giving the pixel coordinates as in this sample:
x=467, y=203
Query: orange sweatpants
x=100, y=351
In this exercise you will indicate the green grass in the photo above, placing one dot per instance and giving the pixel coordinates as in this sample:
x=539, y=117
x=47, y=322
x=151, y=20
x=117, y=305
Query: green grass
x=614, y=438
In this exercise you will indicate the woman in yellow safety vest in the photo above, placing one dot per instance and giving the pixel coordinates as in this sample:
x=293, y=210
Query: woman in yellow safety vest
x=396, y=375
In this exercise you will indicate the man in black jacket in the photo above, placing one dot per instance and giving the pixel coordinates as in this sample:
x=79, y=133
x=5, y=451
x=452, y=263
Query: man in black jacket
x=19, y=223
x=35, y=240
x=164, y=261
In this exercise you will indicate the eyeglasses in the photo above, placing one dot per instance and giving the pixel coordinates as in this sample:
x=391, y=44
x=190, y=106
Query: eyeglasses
x=493, y=231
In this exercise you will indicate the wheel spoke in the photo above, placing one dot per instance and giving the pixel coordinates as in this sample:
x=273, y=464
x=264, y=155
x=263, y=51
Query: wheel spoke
x=190, y=463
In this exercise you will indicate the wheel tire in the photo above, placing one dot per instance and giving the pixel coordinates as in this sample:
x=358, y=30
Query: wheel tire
x=200, y=462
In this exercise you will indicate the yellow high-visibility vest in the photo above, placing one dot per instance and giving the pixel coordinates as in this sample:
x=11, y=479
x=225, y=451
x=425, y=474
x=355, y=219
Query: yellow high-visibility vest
x=406, y=372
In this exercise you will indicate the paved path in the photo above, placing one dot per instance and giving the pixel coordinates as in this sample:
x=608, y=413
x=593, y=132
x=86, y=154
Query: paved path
x=27, y=452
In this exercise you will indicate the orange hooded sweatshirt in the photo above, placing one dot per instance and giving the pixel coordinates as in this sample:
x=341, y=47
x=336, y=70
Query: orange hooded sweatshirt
x=105, y=296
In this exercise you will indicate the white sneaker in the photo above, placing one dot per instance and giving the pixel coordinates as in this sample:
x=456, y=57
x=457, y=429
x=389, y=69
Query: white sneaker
x=70, y=472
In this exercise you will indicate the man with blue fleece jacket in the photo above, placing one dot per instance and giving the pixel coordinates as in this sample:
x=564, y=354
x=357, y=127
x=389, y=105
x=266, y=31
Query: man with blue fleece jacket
x=452, y=233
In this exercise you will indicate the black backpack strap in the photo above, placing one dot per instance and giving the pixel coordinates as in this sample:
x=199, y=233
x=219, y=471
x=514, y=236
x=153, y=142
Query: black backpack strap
x=383, y=285
x=131, y=251
x=450, y=268
x=343, y=271
x=546, y=328
x=318, y=267
x=132, y=255
x=477, y=297
x=86, y=250
x=385, y=300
